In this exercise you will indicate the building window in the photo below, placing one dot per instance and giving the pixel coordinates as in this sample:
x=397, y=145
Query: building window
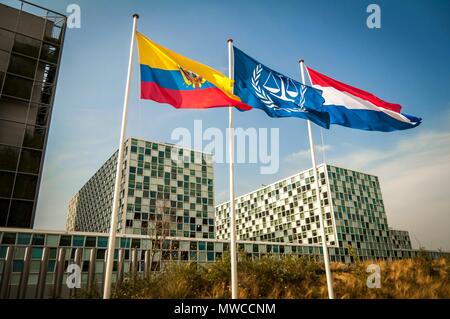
x=17, y=86
x=6, y=40
x=6, y=184
x=22, y=66
x=20, y=213
x=13, y=109
x=30, y=161
x=25, y=186
x=26, y=45
x=34, y=137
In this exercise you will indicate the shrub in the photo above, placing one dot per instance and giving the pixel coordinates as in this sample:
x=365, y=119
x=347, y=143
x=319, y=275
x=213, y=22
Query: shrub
x=292, y=277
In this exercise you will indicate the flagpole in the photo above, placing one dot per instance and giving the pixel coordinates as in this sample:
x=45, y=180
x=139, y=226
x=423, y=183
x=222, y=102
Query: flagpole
x=115, y=208
x=319, y=204
x=234, y=279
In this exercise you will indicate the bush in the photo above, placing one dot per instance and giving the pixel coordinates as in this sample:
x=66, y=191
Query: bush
x=292, y=277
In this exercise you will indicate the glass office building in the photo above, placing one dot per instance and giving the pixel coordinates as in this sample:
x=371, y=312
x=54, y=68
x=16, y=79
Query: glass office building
x=31, y=40
x=158, y=194
x=33, y=263
x=400, y=239
x=277, y=220
x=286, y=212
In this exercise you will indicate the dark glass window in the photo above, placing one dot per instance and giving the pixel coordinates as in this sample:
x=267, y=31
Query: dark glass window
x=13, y=109
x=46, y=72
x=34, y=137
x=4, y=207
x=52, y=33
x=20, y=214
x=11, y=133
x=38, y=114
x=101, y=253
x=6, y=183
x=49, y=53
x=4, y=58
x=8, y=17
x=51, y=263
x=30, y=161
x=17, y=86
x=90, y=241
x=38, y=239
x=42, y=92
x=25, y=186
x=9, y=239
x=26, y=45
x=6, y=39
x=22, y=66
x=65, y=240
x=31, y=24
x=8, y=157
x=135, y=243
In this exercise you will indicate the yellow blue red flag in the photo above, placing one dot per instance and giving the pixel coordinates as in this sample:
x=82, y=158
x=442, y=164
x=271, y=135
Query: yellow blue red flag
x=168, y=77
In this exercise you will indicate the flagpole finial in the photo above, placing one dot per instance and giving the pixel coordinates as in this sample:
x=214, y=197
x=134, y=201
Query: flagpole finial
x=230, y=40
x=136, y=16
x=301, y=60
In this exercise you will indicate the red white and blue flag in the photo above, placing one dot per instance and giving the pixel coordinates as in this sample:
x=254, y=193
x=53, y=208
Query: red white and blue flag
x=352, y=107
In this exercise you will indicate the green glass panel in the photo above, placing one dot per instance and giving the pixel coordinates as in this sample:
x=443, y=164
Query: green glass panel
x=51, y=265
x=78, y=241
x=23, y=239
x=52, y=240
x=36, y=252
x=17, y=265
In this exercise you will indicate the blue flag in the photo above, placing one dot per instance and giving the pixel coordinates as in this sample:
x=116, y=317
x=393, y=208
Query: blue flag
x=276, y=94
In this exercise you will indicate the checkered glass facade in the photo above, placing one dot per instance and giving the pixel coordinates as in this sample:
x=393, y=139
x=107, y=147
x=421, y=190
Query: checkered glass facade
x=166, y=190
x=361, y=220
x=400, y=239
x=286, y=211
x=90, y=208
x=176, y=197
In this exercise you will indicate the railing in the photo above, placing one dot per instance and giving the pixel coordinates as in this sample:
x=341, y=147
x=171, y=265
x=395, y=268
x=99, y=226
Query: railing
x=51, y=280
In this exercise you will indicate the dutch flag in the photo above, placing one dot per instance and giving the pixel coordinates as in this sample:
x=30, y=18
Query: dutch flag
x=351, y=107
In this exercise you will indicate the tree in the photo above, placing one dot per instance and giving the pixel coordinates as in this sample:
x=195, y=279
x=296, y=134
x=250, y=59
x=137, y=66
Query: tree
x=158, y=230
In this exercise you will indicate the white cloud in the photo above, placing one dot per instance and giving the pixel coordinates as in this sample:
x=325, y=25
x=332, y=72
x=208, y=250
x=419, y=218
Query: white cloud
x=415, y=183
x=305, y=153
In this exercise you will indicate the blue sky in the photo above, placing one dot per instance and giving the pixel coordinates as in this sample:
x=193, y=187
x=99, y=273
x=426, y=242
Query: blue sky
x=406, y=62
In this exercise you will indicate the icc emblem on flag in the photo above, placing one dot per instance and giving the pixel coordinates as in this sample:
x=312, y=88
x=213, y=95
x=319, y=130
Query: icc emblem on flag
x=275, y=93
x=280, y=87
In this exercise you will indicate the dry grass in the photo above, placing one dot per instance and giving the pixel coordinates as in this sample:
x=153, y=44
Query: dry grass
x=295, y=278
